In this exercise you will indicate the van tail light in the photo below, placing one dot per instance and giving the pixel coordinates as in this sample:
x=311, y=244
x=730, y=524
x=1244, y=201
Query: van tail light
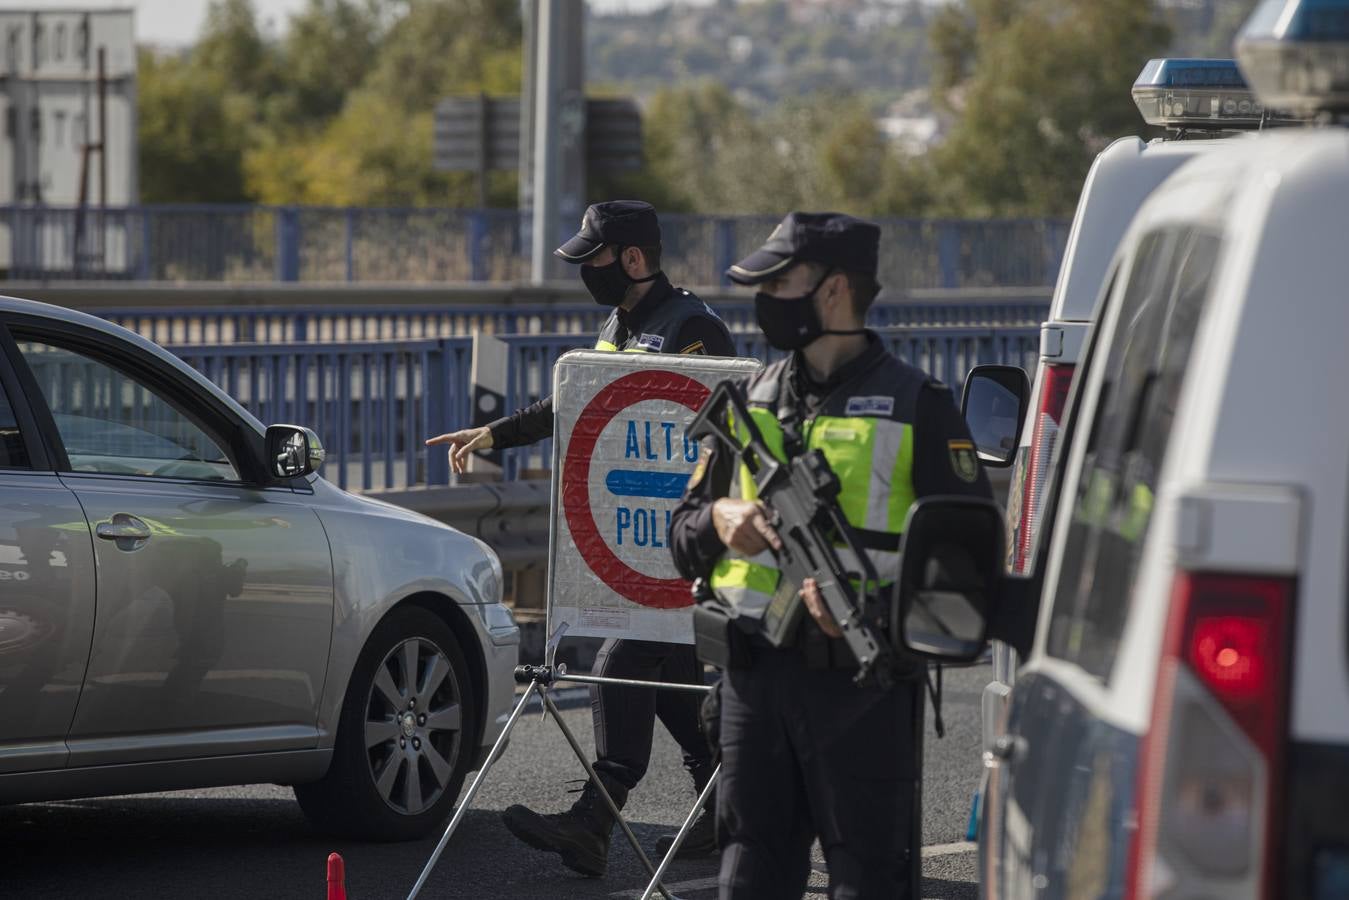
x=1034, y=466
x=1211, y=767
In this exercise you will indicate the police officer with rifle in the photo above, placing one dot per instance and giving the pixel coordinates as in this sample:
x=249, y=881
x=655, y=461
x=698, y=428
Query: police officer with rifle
x=617, y=253
x=797, y=544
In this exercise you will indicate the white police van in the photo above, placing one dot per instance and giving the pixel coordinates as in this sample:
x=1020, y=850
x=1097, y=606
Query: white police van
x=1181, y=726
x=1196, y=100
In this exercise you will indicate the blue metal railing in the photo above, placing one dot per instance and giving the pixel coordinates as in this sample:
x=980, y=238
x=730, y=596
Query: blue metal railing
x=945, y=353
x=322, y=244
x=299, y=324
x=374, y=403
x=529, y=377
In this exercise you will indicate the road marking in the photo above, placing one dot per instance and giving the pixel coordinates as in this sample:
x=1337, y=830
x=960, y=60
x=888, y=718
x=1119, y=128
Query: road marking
x=949, y=849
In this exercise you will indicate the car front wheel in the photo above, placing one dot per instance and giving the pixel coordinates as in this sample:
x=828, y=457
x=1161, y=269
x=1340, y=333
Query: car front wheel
x=403, y=740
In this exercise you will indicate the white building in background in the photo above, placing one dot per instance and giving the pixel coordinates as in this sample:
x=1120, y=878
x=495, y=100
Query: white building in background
x=912, y=135
x=49, y=105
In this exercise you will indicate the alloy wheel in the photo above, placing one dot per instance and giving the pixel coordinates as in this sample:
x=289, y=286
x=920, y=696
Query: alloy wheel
x=413, y=725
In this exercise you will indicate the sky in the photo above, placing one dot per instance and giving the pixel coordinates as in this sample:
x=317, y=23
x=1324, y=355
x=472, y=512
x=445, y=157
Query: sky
x=176, y=22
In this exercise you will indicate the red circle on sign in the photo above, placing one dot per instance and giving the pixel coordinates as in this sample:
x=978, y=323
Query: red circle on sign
x=650, y=384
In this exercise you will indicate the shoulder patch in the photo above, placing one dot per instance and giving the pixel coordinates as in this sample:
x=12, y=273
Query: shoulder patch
x=653, y=342
x=871, y=406
x=964, y=462
x=695, y=347
x=698, y=472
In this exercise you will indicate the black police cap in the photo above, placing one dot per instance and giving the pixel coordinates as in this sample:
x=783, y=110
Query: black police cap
x=630, y=223
x=830, y=239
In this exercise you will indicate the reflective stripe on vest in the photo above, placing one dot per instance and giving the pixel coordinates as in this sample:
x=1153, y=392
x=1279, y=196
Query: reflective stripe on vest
x=873, y=459
x=613, y=348
x=747, y=584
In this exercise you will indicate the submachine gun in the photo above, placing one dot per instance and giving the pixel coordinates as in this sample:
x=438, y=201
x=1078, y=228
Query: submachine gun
x=801, y=498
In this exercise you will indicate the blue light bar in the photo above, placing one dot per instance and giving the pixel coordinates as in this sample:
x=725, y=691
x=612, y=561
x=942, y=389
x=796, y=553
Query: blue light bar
x=1200, y=73
x=1197, y=94
x=1296, y=54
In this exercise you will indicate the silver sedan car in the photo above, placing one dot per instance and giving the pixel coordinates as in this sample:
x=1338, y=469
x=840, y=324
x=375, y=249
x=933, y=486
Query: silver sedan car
x=184, y=602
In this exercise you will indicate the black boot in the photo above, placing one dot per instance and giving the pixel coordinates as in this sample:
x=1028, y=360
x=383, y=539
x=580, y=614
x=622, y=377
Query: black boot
x=701, y=841
x=580, y=835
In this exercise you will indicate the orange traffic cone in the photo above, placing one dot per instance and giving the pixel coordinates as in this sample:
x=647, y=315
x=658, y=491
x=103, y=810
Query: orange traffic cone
x=337, y=877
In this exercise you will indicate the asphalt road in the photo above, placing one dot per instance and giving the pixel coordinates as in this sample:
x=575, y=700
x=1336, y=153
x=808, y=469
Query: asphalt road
x=252, y=842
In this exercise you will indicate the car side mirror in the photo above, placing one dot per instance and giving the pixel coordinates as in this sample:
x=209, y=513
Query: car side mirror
x=950, y=574
x=994, y=406
x=293, y=451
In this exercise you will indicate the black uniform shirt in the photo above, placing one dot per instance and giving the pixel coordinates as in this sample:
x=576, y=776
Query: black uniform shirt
x=699, y=333
x=693, y=537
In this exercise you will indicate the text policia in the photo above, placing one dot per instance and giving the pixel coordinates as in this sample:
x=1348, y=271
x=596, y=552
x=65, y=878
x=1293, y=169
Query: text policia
x=649, y=442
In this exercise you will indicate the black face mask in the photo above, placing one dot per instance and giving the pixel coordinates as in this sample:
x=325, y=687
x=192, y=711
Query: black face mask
x=609, y=284
x=790, y=323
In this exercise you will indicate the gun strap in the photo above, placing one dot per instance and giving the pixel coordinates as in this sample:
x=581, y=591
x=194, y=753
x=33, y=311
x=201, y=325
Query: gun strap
x=878, y=540
x=934, y=691
x=791, y=405
x=790, y=414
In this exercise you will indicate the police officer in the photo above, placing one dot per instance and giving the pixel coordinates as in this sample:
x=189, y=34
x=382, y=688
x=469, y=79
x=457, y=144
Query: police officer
x=618, y=251
x=806, y=752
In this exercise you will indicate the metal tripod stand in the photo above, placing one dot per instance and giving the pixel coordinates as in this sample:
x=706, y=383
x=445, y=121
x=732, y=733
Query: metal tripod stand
x=540, y=680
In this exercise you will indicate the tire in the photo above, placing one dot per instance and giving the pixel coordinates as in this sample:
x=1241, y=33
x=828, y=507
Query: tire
x=396, y=772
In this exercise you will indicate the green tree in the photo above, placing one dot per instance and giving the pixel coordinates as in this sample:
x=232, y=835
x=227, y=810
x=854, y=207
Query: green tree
x=233, y=50
x=197, y=112
x=1039, y=87
x=364, y=135
x=329, y=48
x=193, y=133
x=685, y=132
x=337, y=112
x=373, y=154
x=442, y=47
x=705, y=152
x=952, y=35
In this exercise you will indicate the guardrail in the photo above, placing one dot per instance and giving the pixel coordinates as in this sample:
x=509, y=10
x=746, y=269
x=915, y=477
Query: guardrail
x=946, y=353
x=243, y=243
x=373, y=403
x=299, y=324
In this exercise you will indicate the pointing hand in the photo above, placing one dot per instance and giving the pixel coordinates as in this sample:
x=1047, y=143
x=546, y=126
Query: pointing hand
x=462, y=443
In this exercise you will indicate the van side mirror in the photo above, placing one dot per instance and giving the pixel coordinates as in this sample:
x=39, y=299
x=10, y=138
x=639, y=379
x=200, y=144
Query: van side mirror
x=949, y=579
x=994, y=406
x=293, y=451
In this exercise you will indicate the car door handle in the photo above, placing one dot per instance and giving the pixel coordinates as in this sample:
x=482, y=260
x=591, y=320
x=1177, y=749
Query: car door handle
x=123, y=529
